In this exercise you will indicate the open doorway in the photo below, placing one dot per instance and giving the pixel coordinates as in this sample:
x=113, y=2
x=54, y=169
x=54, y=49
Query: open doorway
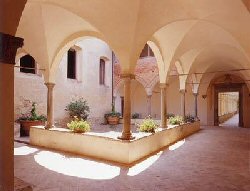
x=228, y=109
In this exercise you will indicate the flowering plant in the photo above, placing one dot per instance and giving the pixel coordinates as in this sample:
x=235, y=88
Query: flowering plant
x=32, y=115
x=78, y=125
x=148, y=125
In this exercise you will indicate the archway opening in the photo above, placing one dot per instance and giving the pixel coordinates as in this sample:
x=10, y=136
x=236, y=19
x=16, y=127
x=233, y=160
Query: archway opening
x=228, y=109
x=229, y=99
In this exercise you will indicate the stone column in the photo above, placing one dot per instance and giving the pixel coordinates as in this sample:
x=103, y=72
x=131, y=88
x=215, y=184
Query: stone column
x=50, y=105
x=183, y=104
x=126, y=132
x=149, y=105
x=195, y=105
x=8, y=47
x=163, y=87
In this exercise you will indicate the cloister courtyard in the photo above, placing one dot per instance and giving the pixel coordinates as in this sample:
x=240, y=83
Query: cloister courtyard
x=124, y=95
x=194, y=163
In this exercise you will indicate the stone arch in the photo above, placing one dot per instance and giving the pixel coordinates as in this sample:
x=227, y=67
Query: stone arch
x=168, y=58
x=120, y=83
x=69, y=42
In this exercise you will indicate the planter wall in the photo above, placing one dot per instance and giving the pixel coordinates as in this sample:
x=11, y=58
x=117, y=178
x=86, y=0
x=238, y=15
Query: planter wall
x=126, y=152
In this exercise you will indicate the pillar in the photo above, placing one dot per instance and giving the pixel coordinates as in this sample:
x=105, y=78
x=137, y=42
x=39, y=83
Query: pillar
x=183, y=104
x=50, y=105
x=163, y=88
x=126, y=131
x=195, y=105
x=149, y=104
x=8, y=47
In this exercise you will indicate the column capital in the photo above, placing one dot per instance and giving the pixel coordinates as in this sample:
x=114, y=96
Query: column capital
x=163, y=85
x=8, y=47
x=50, y=85
x=149, y=96
x=129, y=76
x=183, y=91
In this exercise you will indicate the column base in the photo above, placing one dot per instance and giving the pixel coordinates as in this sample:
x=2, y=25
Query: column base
x=126, y=136
x=166, y=126
x=49, y=126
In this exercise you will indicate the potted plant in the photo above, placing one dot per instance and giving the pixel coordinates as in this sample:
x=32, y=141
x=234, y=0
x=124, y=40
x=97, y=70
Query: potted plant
x=135, y=116
x=78, y=108
x=189, y=118
x=170, y=115
x=112, y=117
x=30, y=119
x=148, y=125
x=78, y=125
x=176, y=120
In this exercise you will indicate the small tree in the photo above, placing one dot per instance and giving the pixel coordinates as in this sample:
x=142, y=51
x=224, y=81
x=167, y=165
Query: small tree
x=78, y=108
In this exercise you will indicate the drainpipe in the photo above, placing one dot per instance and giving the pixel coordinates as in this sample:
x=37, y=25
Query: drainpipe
x=113, y=78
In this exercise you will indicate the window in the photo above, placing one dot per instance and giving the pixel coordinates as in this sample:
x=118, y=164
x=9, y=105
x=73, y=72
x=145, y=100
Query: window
x=147, y=51
x=102, y=72
x=27, y=64
x=71, y=68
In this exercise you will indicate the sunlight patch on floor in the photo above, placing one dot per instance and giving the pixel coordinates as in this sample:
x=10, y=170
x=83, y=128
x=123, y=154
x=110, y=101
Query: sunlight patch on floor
x=24, y=150
x=77, y=167
x=176, y=145
x=142, y=166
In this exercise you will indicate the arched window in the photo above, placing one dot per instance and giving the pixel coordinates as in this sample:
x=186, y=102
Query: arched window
x=147, y=51
x=27, y=64
x=71, y=65
x=102, y=72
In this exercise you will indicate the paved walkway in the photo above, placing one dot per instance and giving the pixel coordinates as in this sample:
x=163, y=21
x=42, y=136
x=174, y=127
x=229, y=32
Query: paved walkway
x=232, y=122
x=214, y=159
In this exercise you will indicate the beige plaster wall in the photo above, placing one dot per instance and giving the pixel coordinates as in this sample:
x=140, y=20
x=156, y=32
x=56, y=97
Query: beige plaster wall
x=87, y=83
x=138, y=99
x=156, y=102
x=30, y=87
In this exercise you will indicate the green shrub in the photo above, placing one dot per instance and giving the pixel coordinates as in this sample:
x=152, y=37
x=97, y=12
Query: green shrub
x=78, y=108
x=148, y=125
x=170, y=115
x=189, y=118
x=135, y=116
x=78, y=125
x=177, y=120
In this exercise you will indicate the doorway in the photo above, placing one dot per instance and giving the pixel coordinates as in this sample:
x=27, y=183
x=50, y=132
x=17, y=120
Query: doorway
x=228, y=109
x=228, y=105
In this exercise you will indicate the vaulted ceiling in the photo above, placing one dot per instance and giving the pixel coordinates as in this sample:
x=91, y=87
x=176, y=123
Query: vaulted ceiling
x=196, y=33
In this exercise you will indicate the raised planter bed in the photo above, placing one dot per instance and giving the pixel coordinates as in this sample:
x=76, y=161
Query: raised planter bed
x=126, y=152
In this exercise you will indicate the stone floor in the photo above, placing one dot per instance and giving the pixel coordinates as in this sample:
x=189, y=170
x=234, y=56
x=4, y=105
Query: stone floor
x=20, y=185
x=232, y=122
x=216, y=158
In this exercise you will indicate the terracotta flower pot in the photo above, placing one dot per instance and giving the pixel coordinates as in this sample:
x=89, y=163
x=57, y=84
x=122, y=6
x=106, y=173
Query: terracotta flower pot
x=25, y=126
x=78, y=131
x=113, y=120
